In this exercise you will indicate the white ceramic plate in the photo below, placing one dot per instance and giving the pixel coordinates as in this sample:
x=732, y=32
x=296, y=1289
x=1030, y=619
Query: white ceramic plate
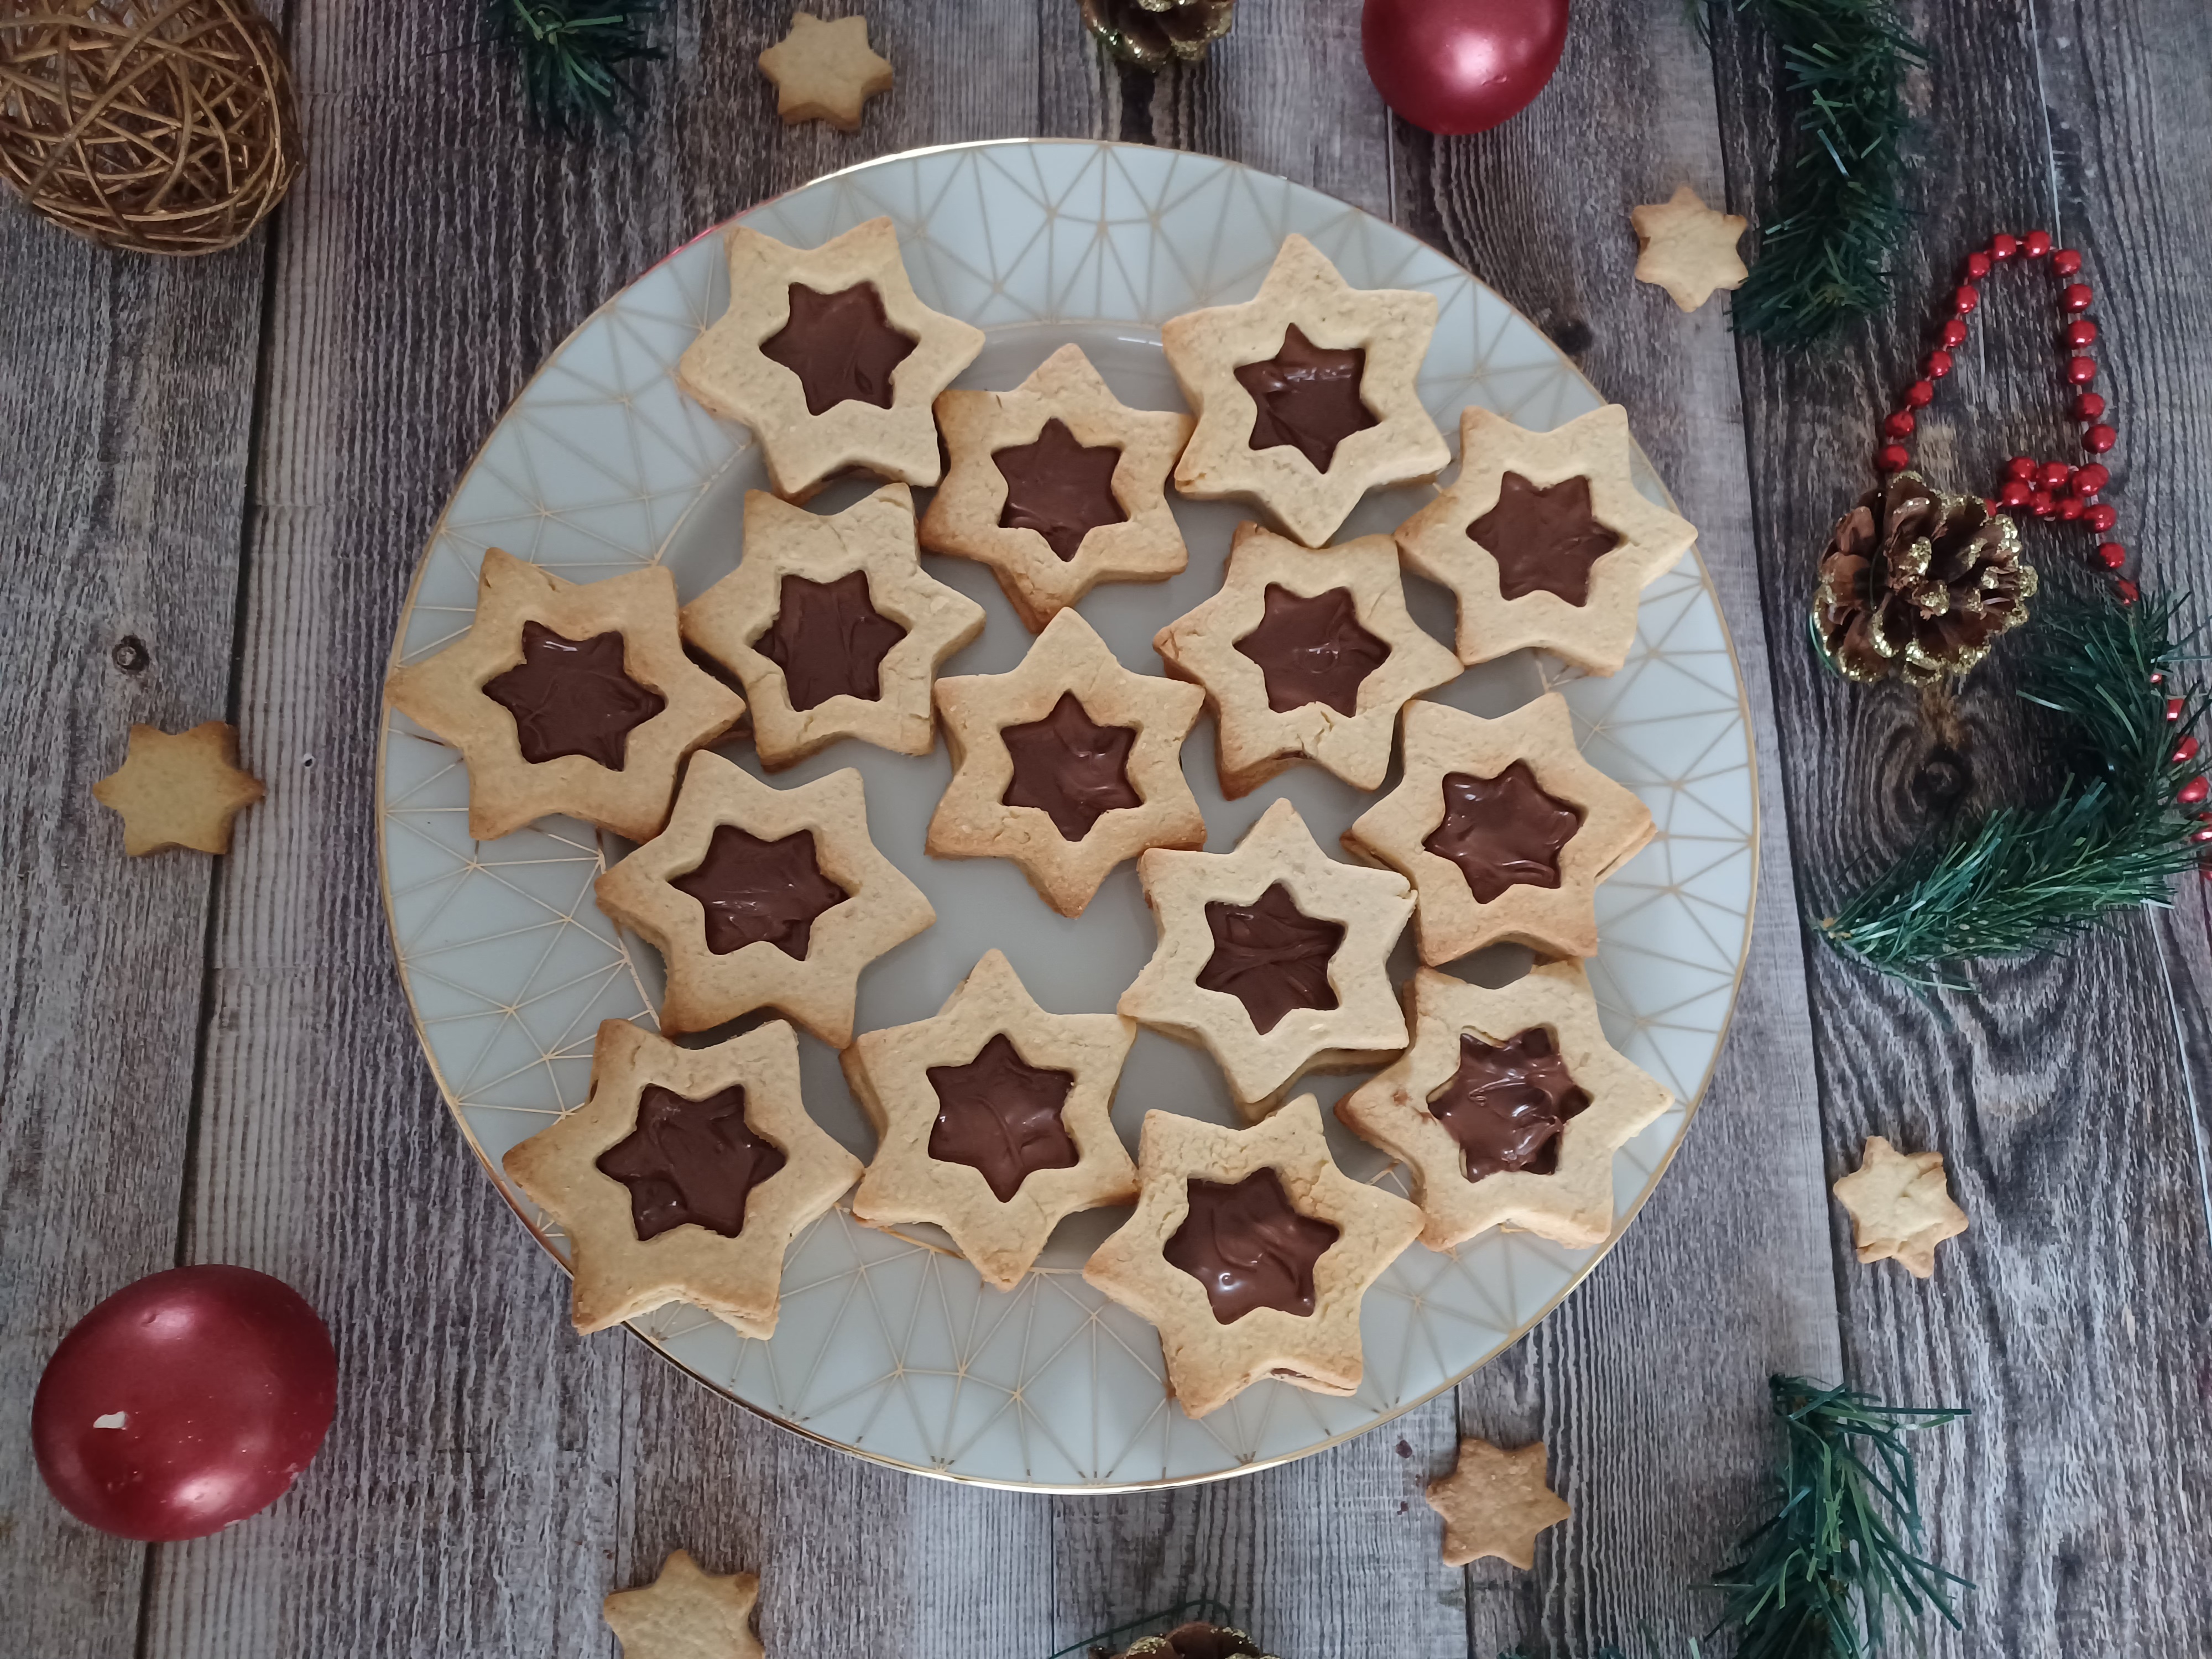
x=890, y=1346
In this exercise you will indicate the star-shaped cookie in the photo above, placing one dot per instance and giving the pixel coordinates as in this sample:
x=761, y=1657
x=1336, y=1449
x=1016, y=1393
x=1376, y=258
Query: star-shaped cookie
x=1495, y=1502
x=686, y=1614
x=535, y=668
x=824, y=71
x=1305, y=656
x=1057, y=486
x=1503, y=828
x=1273, y=958
x=1274, y=1225
x=993, y=1119
x=1508, y=1107
x=1688, y=248
x=829, y=357
x=1306, y=394
x=684, y=1175
x=833, y=627
x=1900, y=1206
x=182, y=789
x=757, y=896
x=1544, y=540
x=1067, y=766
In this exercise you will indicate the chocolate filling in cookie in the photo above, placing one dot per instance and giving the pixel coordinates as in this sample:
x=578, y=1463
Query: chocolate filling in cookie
x=1312, y=650
x=691, y=1162
x=1271, y=956
x=1307, y=397
x=1544, y=540
x=1502, y=831
x=840, y=345
x=1245, y=1243
x=1065, y=766
x=1059, y=487
x=828, y=638
x=573, y=698
x=753, y=890
x=1001, y=1115
x=1507, y=1105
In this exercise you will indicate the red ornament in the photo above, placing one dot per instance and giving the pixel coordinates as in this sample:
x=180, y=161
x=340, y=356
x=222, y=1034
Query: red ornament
x=2002, y=247
x=1939, y=364
x=1897, y=425
x=2088, y=480
x=2112, y=555
x=1462, y=65
x=2099, y=439
x=2038, y=244
x=1964, y=300
x=1977, y=266
x=2185, y=751
x=2080, y=371
x=2088, y=407
x=1892, y=458
x=184, y=1403
x=2065, y=262
x=2100, y=518
x=2020, y=466
x=1955, y=335
x=2081, y=333
x=2192, y=792
x=2077, y=296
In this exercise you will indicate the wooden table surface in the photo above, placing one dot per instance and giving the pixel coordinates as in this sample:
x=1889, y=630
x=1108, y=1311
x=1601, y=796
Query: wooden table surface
x=234, y=463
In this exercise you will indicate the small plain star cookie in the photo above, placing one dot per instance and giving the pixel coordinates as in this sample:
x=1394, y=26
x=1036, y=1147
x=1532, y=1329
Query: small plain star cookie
x=1688, y=248
x=686, y=1614
x=824, y=71
x=179, y=789
x=1900, y=1206
x=1495, y=1502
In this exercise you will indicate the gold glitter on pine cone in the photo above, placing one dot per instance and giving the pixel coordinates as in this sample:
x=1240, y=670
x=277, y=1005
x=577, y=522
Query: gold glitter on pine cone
x=1152, y=33
x=1196, y=1640
x=1918, y=584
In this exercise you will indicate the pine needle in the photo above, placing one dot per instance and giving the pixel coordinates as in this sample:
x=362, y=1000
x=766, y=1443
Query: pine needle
x=571, y=54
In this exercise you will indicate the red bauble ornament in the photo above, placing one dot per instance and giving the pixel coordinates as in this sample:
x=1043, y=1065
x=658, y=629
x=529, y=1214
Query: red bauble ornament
x=1462, y=65
x=185, y=1403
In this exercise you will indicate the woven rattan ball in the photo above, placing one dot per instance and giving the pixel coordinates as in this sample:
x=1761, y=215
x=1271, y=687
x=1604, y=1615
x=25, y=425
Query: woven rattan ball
x=167, y=126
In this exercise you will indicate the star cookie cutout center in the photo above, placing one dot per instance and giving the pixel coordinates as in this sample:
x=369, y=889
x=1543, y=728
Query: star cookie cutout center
x=686, y=1614
x=573, y=698
x=1246, y=1243
x=1271, y=955
x=839, y=346
x=1688, y=248
x=1900, y=1206
x=1307, y=397
x=179, y=789
x=1312, y=650
x=1495, y=1502
x=1070, y=767
x=1059, y=487
x=1503, y=832
x=828, y=638
x=1544, y=540
x=1508, y=1102
x=1001, y=1115
x=825, y=71
x=690, y=1163
x=753, y=890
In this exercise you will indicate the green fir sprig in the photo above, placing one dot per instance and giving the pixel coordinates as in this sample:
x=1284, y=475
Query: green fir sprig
x=571, y=54
x=1838, y=214
x=2019, y=881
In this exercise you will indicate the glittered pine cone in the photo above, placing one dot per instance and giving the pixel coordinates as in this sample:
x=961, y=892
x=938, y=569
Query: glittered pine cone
x=1917, y=583
x=1151, y=33
x=1197, y=1640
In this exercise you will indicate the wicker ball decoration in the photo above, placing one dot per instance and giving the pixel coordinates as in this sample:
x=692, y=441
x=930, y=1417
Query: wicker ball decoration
x=165, y=126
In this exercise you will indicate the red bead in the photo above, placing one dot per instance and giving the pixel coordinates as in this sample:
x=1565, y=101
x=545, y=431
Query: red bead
x=1955, y=335
x=2172, y=706
x=2192, y=792
x=2202, y=835
x=2016, y=492
x=2041, y=505
x=2053, y=475
x=2088, y=407
x=2099, y=439
x=2158, y=679
x=2077, y=296
x=1920, y=394
x=1892, y=459
x=2101, y=517
x=1977, y=266
x=2088, y=480
x=2080, y=333
x=2070, y=507
x=2003, y=247
x=1897, y=425
x=1939, y=364
x=2038, y=244
x=2112, y=555
x=2080, y=371
x=2066, y=262
x=1966, y=297
x=2185, y=751
x=2128, y=593
x=2020, y=466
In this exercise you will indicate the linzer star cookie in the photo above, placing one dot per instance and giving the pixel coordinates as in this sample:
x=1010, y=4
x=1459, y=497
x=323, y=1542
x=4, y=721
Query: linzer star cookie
x=828, y=357
x=1273, y=958
x=1688, y=248
x=1067, y=766
x=761, y=897
x=1057, y=486
x=1503, y=828
x=1900, y=1206
x=569, y=699
x=824, y=71
x=833, y=627
x=1544, y=540
x=1251, y=1250
x=684, y=1175
x=1495, y=1502
x=686, y=1614
x=1305, y=394
x=183, y=789
x=1508, y=1107
x=991, y=1120
x=1305, y=656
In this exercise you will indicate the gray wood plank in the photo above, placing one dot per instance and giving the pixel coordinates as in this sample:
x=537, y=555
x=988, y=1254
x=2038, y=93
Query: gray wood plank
x=126, y=388
x=2072, y=1319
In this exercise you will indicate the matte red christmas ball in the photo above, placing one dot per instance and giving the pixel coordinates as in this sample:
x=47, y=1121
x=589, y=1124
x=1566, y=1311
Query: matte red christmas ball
x=1462, y=65
x=185, y=1403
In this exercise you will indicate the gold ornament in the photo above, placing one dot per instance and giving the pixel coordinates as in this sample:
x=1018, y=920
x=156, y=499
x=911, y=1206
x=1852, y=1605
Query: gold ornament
x=1153, y=32
x=163, y=126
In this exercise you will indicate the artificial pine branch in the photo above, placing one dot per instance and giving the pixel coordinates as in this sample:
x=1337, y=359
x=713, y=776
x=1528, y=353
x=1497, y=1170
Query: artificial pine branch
x=571, y=53
x=1824, y=252
x=2020, y=881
